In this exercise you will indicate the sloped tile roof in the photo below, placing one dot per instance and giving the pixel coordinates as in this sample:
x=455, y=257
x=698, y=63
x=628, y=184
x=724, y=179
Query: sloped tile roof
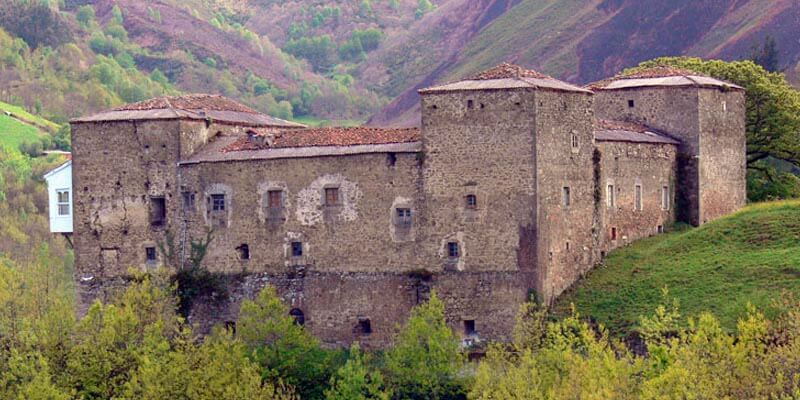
x=506, y=76
x=621, y=131
x=194, y=107
x=661, y=76
x=318, y=137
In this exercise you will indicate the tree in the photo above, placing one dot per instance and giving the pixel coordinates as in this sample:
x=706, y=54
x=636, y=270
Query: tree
x=767, y=55
x=426, y=358
x=85, y=15
x=772, y=105
x=423, y=7
x=355, y=381
x=283, y=349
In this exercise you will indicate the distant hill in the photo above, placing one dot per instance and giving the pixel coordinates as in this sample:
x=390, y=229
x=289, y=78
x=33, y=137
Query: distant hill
x=321, y=60
x=580, y=40
x=17, y=126
x=751, y=257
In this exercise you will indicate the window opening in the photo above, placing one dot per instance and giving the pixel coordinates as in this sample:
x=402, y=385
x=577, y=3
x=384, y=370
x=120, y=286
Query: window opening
x=471, y=201
x=452, y=250
x=638, y=198
x=63, y=202
x=217, y=202
x=469, y=327
x=297, y=249
x=158, y=211
x=298, y=316
x=565, y=196
x=331, y=196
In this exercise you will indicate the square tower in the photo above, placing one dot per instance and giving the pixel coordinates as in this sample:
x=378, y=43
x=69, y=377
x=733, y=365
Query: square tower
x=706, y=115
x=507, y=177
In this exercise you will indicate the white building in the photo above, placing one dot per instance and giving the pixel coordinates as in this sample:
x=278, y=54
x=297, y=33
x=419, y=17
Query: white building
x=59, y=190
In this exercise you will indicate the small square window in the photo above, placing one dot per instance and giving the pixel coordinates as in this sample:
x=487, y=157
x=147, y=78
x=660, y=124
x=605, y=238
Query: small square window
x=63, y=202
x=217, y=202
x=275, y=199
x=244, y=252
x=470, y=104
x=297, y=249
x=566, y=199
x=364, y=327
x=469, y=327
x=404, y=216
x=471, y=201
x=630, y=104
x=188, y=201
x=150, y=255
x=453, y=250
x=331, y=196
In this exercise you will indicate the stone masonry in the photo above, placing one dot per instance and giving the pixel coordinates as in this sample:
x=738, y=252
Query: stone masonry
x=515, y=185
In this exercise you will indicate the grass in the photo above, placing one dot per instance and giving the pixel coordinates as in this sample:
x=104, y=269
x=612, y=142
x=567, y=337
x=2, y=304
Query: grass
x=13, y=132
x=23, y=115
x=751, y=257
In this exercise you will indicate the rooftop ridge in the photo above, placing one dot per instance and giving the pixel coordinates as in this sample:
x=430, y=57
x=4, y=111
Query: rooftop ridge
x=507, y=71
x=188, y=102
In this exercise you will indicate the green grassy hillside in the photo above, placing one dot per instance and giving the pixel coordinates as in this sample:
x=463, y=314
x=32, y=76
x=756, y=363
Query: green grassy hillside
x=751, y=257
x=13, y=132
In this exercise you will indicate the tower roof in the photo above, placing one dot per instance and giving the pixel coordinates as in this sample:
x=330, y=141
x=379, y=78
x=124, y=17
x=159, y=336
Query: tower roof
x=661, y=76
x=506, y=76
x=212, y=107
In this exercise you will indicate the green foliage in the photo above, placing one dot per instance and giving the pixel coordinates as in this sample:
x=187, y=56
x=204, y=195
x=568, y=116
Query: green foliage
x=423, y=7
x=355, y=381
x=426, y=358
x=319, y=51
x=766, y=183
x=16, y=133
x=34, y=22
x=116, y=15
x=283, y=349
x=753, y=254
x=325, y=14
x=85, y=15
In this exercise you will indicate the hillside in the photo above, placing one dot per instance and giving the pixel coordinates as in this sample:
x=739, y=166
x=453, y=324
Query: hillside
x=584, y=40
x=751, y=257
x=18, y=126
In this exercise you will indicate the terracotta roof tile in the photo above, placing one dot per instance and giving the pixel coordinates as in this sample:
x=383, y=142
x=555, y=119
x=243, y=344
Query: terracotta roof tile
x=316, y=137
x=189, y=102
x=507, y=71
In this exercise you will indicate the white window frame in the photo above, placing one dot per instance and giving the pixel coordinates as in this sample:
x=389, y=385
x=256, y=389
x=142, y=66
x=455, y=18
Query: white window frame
x=60, y=204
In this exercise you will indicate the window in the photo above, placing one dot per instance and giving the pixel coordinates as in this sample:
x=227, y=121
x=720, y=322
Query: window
x=158, y=211
x=391, y=160
x=275, y=199
x=638, y=198
x=332, y=196
x=298, y=316
x=565, y=196
x=470, y=104
x=610, y=196
x=567, y=246
x=150, y=255
x=297, y=249
x=217, y=202
x=574, y=141
x=188, y=201
x=471, y=201
x=63, y=202
x=452, y=250
x=630, y=104
x=244, y=252
x=613, y=233
x=364, y=326
x=660, y=229
x=665, y=198
x=469, y=327
x=404, y=216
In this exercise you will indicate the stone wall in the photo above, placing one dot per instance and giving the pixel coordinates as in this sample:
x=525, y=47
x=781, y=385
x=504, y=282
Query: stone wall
x=723, y=169
x=479, y=143
x=565, y=227
x=623, y=166
x=360, y=233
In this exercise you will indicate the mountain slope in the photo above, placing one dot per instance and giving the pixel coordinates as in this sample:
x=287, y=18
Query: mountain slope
x=585, y=40
x=751, y=257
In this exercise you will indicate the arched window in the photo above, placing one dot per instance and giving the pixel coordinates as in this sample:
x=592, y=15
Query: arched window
x=298, y=316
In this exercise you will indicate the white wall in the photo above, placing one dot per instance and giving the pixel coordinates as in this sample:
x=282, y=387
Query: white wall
x=60, y=179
